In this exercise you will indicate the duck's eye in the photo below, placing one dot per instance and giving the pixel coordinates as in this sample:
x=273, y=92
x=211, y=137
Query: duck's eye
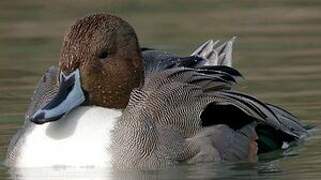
x=103, y=55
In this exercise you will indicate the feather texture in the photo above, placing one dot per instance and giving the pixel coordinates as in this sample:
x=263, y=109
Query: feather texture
x=46, y=90
x=176, y=98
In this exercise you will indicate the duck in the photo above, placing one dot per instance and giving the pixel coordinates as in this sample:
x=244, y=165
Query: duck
x=111, y=103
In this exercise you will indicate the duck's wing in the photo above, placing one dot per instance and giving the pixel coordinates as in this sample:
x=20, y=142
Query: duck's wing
x=45, y=91
x=191, y=115
x=216, y=82
x=209, y=78
x=221, y=105
x=210, y=53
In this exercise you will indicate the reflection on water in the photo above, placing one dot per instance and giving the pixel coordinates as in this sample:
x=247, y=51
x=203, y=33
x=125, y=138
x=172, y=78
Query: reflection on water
x=59, y=173
x=241, y=170
x=264, y=170
x=278, y=51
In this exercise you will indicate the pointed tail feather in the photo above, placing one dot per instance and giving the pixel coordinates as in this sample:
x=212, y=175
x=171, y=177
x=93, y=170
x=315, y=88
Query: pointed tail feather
x=214, y=54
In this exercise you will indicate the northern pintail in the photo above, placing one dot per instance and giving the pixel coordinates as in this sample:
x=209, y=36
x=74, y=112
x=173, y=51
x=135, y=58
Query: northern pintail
x=116, y=104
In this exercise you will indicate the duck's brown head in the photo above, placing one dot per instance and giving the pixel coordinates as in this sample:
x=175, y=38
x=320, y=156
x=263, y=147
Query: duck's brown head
x=105, y=50
x=100, y=58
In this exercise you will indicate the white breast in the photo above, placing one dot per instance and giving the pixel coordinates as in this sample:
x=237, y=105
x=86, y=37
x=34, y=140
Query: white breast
x=80, y=139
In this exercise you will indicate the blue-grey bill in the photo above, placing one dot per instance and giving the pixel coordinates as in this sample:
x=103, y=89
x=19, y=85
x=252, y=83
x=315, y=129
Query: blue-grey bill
x=70, y=95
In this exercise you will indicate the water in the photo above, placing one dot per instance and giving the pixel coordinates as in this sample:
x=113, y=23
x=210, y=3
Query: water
x=278, y=51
